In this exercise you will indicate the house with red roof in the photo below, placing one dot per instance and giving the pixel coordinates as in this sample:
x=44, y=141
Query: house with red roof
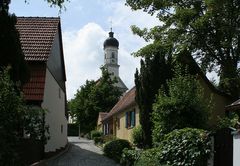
x=101, y=116
x=41, y=42
x=123, y=117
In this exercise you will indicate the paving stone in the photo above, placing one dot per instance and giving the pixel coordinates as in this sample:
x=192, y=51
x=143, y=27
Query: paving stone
x=82, y=152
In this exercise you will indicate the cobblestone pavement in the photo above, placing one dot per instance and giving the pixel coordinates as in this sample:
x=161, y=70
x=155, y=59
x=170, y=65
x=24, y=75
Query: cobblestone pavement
x=82, y=152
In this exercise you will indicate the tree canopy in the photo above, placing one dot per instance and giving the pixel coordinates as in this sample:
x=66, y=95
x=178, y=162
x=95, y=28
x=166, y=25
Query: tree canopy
x=16, y=117
x=12, y=111
x=207, y=28
x=92, y=98
x=11, y=53
x=183, y=105
x=154, y=73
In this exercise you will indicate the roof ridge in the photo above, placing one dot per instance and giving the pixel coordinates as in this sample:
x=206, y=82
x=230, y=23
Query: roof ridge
x=123, y=102
x=38, y=17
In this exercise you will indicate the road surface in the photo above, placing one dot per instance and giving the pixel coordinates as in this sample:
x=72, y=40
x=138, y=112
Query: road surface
x=82, y=152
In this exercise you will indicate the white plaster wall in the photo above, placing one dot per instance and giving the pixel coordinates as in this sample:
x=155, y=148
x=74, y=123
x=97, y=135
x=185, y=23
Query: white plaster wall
x=113, y=70
x=236, y=149
x=108, y=54
x=54, y=102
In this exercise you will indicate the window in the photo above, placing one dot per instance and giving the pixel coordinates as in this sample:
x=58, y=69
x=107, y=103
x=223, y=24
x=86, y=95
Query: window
x=130, y=119
x=118, y=123
x=61, y=128
x=105, y=129
x=113, y=56
x=59, y=93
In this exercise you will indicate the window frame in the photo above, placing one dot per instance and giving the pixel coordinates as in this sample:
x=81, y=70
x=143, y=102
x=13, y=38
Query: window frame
x=130, y=119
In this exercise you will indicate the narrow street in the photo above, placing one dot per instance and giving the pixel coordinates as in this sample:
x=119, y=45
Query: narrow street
x=82, y=152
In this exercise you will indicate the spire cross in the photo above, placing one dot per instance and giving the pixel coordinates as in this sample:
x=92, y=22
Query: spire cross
x=111, y=26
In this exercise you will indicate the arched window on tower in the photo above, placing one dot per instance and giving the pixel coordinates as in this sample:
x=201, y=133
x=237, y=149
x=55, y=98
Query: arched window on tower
x=113, y=55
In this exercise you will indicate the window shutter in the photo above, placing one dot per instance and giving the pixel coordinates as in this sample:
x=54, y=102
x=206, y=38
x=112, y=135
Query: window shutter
x=126, y=119
x=134, y=117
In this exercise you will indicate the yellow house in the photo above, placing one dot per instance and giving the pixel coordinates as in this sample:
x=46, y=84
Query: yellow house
x=100, y=118
x=123, y=117
x=218, y=98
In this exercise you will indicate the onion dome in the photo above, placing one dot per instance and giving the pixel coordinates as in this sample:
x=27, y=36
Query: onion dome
x=111, y=41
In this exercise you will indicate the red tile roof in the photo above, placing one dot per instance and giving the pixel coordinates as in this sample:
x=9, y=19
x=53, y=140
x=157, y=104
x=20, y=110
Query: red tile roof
x=34, y=89
x=125, y=102
x=37, y=35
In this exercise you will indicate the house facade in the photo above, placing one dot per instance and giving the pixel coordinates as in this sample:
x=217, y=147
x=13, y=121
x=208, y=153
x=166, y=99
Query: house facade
x=101, y=116
x=123, y=117
x=41, y=43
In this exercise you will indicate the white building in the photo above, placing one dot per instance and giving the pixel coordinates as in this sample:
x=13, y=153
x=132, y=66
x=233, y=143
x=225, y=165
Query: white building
x=110, y=47
x=41, y=42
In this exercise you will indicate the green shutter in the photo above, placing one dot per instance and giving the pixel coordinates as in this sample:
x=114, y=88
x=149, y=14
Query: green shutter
x=132, y=118
x=126, y=119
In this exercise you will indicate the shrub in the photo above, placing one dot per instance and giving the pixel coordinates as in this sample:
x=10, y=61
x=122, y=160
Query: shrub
x=108, y=138
x=137, y=136
x=185, y=147
x=228, y=121
x=95, y=133
x=113, y=149
x=183, y=106
x=98, y=140
x=130, y=156
x=148, y=158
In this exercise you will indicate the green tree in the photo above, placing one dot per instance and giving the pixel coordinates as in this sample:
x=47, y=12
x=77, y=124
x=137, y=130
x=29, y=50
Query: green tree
x=207, y=28
x=16, y=118
x=182, y=106
x=12, y=111
x=92, y=98
x=11, y=52
x=154, y=72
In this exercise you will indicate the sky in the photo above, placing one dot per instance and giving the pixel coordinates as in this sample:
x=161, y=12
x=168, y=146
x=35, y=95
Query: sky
x=85, y=25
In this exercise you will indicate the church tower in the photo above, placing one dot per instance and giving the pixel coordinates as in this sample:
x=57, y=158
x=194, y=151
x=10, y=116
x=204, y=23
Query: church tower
x=110, y=47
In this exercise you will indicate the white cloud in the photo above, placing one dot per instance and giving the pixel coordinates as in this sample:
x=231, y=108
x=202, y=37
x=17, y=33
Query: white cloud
x=84, y=48
x=83, y=55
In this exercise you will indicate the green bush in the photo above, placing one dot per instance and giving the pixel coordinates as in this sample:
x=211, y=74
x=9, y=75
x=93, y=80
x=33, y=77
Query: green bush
x=98, y=140
x=228, y=121
x=130, y=156
x=113, y=149
x=108, y=138
x=185, y=147
x=148, y=158
x=95, y=133
x=183, y=106
x=137, y=136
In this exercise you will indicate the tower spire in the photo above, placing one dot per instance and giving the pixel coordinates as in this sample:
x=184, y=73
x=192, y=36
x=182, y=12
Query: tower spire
x=111, y=26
